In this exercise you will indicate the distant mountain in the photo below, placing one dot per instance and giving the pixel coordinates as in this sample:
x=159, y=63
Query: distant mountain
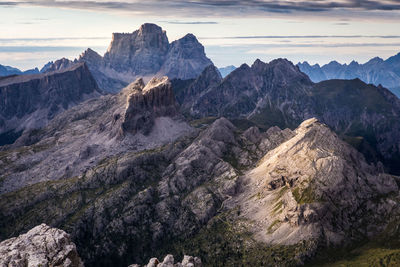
x=280, y=94
x=30, y=101
x=376, y=71
x=7, y=71
x=226, y=70
x=144, y=53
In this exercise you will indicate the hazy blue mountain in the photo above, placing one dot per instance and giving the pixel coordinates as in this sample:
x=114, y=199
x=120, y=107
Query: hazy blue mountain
x=226, y=70
x=7, y=70
x=376, y=71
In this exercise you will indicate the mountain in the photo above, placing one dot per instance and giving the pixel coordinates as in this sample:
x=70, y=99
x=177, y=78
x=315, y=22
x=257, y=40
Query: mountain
x=7, y=71
x=31, y=101
x=376, y=71
x=226, y=70
x=278, y=93
x=41, y=246
x=232, y=197
x=143, y=54
x=139, y=117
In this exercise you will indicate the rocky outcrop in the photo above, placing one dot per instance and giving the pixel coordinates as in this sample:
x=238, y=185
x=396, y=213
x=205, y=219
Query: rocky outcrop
x=188, y=261
x=316, y=187
x=41, y=246
x=376, y=71
x=145, y=103
x=31, y=101
x=145, y=53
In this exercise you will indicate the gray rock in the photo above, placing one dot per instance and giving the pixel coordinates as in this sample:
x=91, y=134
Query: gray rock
x=31, y=101
x=41, y=246
x=188, y=261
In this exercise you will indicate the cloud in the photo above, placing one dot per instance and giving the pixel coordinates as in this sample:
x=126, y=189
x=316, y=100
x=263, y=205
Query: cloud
x=305, y=37
x=225, y=8
x=190, y=22
x=42, y=49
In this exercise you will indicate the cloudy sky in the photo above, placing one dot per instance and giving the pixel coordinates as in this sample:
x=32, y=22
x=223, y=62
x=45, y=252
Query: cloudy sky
x=233, y=31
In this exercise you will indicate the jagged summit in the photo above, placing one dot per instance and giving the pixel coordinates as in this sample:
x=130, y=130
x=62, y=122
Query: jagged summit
x=143, y=53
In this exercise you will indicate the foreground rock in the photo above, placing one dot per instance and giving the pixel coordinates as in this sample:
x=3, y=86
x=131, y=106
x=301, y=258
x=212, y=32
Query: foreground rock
x=41, y=246
x=188, y=261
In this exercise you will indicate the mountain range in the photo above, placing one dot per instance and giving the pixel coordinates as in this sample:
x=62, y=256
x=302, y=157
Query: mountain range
x=376, y=71
x=263, y=167
x=7, y=71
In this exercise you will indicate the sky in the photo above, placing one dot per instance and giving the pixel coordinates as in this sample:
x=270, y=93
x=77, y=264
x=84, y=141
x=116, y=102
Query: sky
x=232, y=31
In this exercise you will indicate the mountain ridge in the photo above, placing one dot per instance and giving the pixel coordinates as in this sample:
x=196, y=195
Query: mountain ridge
x=376, y=71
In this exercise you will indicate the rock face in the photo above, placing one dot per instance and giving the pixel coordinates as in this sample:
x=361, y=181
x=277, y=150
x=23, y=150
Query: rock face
x=188, y=261
x=145, y=103
x=145, y=53
x=41, y=246
x=30, y=101
x=208, y=78
x=278, y=93
x=376, y=71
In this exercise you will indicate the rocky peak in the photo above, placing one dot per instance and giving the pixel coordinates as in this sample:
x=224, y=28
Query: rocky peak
x=41, y=246
x=90, y=57
x=286, y=72
x=312, y=176
x=140, y=52
x=258, y=66
x=186, y=58
x=60, y=64
x=144, y=104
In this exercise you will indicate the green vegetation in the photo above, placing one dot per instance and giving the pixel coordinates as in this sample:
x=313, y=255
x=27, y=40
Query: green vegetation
x=369, y=254
x=227, y=242
x=199, y=123
x=304, y=196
